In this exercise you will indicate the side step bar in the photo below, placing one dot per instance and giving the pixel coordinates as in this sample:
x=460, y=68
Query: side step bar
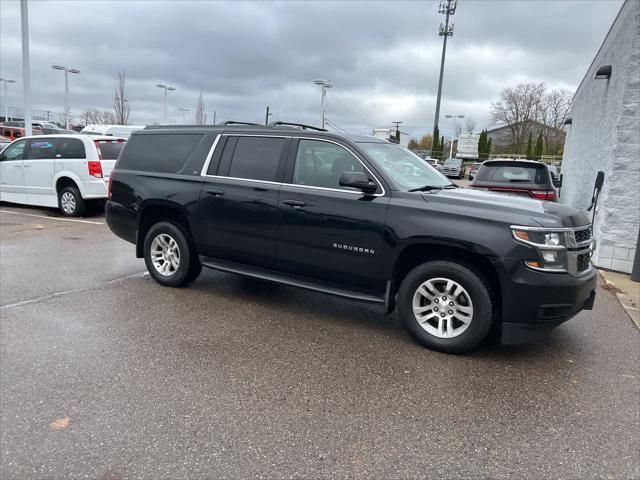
x=278, y=277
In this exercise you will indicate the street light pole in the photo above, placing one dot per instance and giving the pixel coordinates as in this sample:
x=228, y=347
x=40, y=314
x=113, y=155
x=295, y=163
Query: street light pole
x=67, y=71
x=6, y=102
x=165, y=88
x=447, y=7
x=324, y=84
x=26, y=69
x=454, y=122
x=183, y=110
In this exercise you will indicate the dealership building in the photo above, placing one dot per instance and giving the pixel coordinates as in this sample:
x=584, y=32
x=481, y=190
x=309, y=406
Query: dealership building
x=603, y=134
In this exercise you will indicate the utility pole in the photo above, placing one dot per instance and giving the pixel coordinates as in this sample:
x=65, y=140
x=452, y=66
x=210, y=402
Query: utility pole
x=397, y=124
x=214, y=117
x=26, y=68
x=324, y=84
x=448, y=8
x=266, y=117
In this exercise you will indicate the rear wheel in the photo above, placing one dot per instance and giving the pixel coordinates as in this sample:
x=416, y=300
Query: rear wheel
x=71, y=202
x=169, y=256
x=445, y=306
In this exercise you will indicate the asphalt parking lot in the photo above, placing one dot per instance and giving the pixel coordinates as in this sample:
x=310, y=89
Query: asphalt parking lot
x=105, y=374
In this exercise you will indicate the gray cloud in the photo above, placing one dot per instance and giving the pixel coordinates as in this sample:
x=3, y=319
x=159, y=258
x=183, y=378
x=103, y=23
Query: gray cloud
x=383, y=57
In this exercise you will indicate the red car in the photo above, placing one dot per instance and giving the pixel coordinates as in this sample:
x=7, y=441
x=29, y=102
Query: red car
x=524, y=178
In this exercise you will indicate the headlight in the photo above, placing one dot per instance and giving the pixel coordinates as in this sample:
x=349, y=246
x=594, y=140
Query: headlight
x=550, y=245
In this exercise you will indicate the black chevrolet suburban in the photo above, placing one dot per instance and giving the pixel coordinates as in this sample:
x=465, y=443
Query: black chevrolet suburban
x=353, y=216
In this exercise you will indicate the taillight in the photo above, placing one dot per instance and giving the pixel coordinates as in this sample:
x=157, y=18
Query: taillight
x=543, y=195
x=109, y=186
x=95, y=168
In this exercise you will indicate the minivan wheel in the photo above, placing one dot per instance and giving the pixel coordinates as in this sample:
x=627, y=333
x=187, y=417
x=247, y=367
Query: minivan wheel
x=169, y=257
x=71, y=202
x=445, y=306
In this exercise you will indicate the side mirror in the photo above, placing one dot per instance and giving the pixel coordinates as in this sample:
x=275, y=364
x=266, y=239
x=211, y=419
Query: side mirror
x=358, y=180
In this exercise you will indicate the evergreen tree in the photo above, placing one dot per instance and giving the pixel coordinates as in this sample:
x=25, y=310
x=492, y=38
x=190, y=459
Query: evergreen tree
x=482, y=144
x=530, y=148
x=436, y=149
x=488, y=152
x=539, y=149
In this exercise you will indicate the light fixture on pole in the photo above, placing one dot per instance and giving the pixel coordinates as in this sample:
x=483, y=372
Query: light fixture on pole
x=448, y=8
x=183, y=110
x=454, y=122
x=6, y=105
x=324, y=85
x=165, y=88
x=67, y=71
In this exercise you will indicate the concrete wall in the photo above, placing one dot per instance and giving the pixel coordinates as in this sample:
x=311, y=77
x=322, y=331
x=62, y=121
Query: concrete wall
x=605, y=135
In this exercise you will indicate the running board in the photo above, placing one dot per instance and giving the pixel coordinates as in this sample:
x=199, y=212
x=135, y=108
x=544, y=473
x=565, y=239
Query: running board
x=293, y=280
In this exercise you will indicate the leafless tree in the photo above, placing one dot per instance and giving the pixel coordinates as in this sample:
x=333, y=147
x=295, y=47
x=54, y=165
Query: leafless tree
x=469, y=124
x=457, y=126
x=553, y=113
x=120, y=102
x=426, y=141
x=518, y=108
x=93, y=115
x=201, y=116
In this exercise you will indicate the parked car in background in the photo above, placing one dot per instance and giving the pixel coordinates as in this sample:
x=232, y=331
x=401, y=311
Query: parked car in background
x=41, y=125
x=353, y=216
x=520, y=178
x=13, y=133
x=64, y=171
x=474, y=169
x=454, y=168
x=554, y=170
x=56, y=131
x=122, y=131
x=12, y=123
x=435, y=163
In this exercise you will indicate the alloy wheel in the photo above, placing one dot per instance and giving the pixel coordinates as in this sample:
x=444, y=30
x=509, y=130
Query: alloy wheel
x=442, y=307
x=68, y=203
x=165, y=254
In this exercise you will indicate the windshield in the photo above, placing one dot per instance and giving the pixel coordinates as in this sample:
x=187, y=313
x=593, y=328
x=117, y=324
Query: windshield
x=406, y=169
x=453, y=162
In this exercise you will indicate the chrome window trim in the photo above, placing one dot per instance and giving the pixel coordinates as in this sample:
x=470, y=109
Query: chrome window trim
x=207, y=161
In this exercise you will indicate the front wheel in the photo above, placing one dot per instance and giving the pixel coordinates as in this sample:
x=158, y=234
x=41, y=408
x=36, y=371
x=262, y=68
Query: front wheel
x=445, y=306
x=169, y=257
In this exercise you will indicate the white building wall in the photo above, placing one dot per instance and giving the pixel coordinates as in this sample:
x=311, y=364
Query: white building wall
x=605, y=135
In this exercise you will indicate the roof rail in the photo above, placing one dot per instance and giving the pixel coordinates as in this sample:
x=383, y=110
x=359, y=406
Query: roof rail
x=233, y=122
x=299, y=125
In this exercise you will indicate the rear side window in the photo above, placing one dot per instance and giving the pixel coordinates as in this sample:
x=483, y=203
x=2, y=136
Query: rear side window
x=513, y=174
x=257, y=158
x=110, y=149
x=157, y=153
x=70, y=148
x=39, y=149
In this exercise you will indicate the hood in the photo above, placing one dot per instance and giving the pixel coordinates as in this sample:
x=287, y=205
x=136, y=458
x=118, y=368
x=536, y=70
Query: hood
x=509, y=209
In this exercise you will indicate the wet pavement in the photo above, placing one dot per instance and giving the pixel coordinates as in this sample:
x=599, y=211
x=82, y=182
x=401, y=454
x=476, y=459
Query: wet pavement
x=105, y=374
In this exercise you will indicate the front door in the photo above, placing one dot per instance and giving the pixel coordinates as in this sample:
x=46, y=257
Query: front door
x=11, y=180
x=238, y=212
x=38, y=171
x=328, y=231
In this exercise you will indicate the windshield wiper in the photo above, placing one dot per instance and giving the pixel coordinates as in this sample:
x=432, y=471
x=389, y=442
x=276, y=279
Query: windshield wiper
x=519, y=180
x=426, y=188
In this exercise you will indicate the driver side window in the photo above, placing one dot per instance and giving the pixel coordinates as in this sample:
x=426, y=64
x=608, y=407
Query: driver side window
x=14, y=151
x=320, y=164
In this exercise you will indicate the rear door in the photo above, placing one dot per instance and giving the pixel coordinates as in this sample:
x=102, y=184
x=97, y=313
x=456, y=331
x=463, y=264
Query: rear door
x=38, y=170
x=238, y=212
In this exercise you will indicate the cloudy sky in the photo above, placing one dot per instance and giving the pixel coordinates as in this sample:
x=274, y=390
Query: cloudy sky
x=382, y=56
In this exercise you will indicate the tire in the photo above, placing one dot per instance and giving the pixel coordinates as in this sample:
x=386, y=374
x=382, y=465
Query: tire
x=169, y=256
x=71, y=203
x=471, y=312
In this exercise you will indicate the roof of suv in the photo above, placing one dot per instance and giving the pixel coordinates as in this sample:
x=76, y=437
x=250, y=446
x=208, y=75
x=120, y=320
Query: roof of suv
x=261, y=129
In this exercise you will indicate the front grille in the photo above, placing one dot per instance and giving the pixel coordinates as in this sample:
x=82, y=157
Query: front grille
x=583, y=235
x=583, y=262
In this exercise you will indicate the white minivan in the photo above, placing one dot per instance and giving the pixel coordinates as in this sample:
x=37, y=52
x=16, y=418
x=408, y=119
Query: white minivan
x=63, y=171
x=122, y=131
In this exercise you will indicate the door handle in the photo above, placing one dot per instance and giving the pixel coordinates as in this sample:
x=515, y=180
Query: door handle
x=17, y=166
x=26, y=164
x=214, y=192
x=294, y=203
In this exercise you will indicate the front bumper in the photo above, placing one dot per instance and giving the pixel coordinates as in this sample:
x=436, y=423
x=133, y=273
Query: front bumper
x=534, y=303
